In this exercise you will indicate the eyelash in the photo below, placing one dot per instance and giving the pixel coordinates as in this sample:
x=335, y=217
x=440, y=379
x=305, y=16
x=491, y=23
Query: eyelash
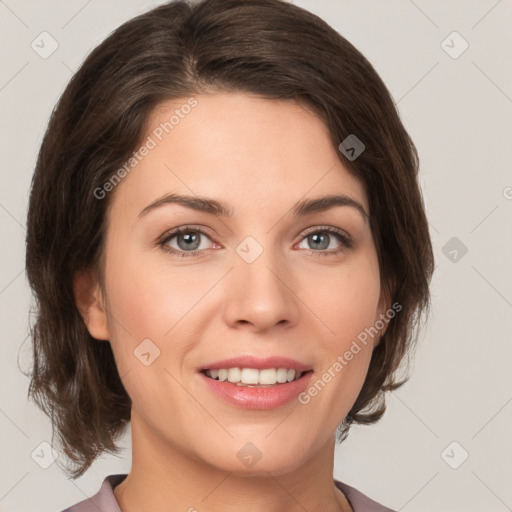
x=345, y=241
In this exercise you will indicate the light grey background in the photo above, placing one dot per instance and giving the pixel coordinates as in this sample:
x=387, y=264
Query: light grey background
x=458, y=111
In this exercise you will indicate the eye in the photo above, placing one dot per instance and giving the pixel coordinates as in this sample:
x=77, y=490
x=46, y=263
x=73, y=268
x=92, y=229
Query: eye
x=188, y=242
x=320, y=239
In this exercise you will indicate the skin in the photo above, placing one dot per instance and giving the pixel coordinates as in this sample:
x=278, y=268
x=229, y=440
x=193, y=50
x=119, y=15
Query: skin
x=259, y=157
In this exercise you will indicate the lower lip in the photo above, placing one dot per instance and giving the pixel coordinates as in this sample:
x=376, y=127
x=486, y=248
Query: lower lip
x=258, y=397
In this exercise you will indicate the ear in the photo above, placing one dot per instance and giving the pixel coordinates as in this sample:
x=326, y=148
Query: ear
x=90, y=303
x=382, y=316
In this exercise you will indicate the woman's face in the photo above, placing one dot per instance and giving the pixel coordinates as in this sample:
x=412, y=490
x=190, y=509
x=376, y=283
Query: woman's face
x=264, y=282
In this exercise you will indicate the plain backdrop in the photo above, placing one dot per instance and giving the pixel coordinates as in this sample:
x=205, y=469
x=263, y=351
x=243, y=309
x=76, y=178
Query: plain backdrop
x=444, y=443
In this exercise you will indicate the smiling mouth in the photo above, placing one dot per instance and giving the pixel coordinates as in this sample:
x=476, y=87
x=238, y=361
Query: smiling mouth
x=252, y=377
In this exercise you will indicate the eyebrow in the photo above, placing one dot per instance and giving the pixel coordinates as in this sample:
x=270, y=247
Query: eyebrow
x=213, y=207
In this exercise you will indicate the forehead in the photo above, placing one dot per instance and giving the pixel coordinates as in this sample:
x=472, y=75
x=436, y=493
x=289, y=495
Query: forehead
x=238, y=148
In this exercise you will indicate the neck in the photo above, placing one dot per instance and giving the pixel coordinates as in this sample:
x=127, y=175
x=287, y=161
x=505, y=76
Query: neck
x=165, y=478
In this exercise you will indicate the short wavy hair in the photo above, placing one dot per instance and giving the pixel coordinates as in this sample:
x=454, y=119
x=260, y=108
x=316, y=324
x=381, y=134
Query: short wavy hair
x=270, y=48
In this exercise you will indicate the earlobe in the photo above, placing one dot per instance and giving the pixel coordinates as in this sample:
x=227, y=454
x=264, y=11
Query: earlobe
x=90, y=303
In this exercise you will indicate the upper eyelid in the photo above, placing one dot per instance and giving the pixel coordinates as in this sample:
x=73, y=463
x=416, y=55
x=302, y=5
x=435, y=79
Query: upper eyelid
x=171, y=233
x=330, y=229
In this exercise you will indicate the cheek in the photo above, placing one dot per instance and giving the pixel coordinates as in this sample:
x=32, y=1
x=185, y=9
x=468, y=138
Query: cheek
x=134, y=309
x=346, y=299
x=143, y=296
x=347, y=304
x=150, y=301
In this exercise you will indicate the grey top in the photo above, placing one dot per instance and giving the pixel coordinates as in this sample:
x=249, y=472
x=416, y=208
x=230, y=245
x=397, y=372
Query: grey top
x=105, y=501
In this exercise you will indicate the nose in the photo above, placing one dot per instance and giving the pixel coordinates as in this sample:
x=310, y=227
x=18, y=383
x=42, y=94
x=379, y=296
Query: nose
x=261, y=294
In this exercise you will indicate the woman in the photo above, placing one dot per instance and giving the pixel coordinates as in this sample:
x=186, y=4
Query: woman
x=229, y=252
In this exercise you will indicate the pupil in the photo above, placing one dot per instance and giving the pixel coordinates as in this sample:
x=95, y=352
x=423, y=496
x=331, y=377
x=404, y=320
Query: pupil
x=316, y=238
x=190, y=240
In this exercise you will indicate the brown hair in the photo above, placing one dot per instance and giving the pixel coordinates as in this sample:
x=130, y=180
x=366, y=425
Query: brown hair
x=266, y=47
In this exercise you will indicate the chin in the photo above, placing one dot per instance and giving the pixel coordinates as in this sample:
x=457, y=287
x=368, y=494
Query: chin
x=258, y=458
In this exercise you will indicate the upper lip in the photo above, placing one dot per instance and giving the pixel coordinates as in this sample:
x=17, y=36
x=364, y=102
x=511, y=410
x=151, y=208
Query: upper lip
x=258, y=363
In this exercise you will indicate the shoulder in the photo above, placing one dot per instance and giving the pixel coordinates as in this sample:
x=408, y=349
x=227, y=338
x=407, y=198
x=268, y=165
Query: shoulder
x=103, y=500
x=359, y=501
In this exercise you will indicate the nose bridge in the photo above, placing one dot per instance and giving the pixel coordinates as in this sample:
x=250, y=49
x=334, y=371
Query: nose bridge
x=260, y=291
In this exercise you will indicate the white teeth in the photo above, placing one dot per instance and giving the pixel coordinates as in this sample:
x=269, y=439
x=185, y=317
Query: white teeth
x=254, y=377
x=282, y=375
x=250, y=376
x=268, y=376
x=233, y=374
